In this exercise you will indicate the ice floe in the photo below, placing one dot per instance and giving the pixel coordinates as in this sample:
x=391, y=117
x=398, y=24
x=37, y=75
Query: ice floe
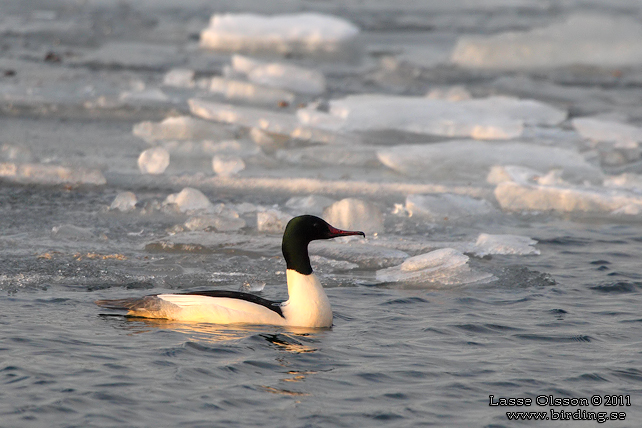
x=445, y=266
x=359, y=252
x=311, y=204
x=72, y=233
x=484, y=245
x=487, y=244
x=251, y=117
x=188, y=200
x=124, y=201
x=227, y=166
x=495, y=117
x=304, y=32
x=472, y=160
x=447, y=207
x=272, y=221
x=516, y=196
x=280, y=75
x=355, y=214
x=596, y=40
x=246, y=91
x=153, y=161
x=181, y=128
x=617, y=143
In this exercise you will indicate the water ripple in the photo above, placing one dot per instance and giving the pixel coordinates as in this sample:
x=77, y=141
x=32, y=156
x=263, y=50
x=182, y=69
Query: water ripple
x=618, y=287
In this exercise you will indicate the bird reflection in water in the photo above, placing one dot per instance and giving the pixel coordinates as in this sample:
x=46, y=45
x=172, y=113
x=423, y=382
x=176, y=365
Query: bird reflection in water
x=282, y=338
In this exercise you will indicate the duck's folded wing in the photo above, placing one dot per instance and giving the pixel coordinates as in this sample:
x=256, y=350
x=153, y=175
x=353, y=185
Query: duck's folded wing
x=218, y=307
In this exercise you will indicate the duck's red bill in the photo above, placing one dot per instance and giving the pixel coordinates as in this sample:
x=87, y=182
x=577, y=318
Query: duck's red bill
x=335, y=233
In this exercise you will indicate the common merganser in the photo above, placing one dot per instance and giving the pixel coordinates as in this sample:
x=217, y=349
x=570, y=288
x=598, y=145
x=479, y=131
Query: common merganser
x=307, y=306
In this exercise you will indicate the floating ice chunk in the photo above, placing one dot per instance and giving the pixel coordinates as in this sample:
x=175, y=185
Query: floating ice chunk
x=180, y=78
x=617, y=143
x=446, y=266
x=504, y=244
x=365, y=255
x=447, y=206
x=153, y=161
x=472, y=160
x=283, y=124
x=278, y=123
x=485, y=244
x=490, y=118
x=279, y=75
x=291, y=77
x=180, y=128
x=600, y=130
x=305, y=32
x=35, y=173
x=272, y=221
x=227, y=166
x=312, y=204
x=597, y=40
x=532, y=197
x=218, y=222
x=72, y=233
x=354, y=214
x=124, y=201
x=246, y=91
x=189, y=199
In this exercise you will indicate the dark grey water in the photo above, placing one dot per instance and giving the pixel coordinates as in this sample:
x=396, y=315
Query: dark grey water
x=564, y=323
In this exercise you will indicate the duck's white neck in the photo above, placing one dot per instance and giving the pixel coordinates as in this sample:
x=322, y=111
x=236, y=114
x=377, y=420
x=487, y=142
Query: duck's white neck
x=308, y=305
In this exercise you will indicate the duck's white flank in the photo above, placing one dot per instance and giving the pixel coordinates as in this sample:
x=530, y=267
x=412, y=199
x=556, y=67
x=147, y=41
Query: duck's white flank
x=217, y=310
x=308, y=306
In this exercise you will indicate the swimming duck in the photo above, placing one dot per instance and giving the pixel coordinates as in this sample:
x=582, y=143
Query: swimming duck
x=307, y=306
